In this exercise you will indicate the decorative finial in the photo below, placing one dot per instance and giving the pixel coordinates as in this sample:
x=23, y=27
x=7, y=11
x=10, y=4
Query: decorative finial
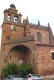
x=38, y=22
x=12, y=6
x=48, y=24
x=27, y=19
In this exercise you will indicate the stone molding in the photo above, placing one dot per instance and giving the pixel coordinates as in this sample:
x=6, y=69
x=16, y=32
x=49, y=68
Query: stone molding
x=45, y=45
x=22, y=39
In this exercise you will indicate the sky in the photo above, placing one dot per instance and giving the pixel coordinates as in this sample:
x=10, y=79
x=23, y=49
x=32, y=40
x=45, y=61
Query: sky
x=42, y=10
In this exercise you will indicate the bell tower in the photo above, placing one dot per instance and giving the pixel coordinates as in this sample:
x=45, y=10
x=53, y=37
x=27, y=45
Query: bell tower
x=11, y=28
x=12, y=20
x=12, y=15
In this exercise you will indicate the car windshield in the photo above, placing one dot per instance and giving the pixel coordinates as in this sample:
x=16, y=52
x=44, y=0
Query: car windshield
x=33, y=75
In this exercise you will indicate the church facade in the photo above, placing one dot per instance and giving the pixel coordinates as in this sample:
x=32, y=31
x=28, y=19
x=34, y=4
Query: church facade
x=26, y=42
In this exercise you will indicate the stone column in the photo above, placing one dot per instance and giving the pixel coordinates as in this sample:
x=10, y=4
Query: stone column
x=12, y=17
x=19, y=18
x=5, y=16
x=34, y=54
x=36, y=61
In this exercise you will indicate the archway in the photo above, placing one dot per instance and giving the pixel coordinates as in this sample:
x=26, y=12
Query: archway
x=19, y=54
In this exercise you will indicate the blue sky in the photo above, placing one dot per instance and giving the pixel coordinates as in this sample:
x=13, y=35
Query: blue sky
x=42, y=10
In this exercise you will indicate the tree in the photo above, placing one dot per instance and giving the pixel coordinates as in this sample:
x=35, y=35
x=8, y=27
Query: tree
x=25, y=69
x=11, y=69
x=29, y=69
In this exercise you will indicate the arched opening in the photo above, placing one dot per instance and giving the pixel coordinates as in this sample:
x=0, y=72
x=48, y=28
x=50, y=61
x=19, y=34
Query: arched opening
x=19, y=54
x=9, y=17
x=15, y=18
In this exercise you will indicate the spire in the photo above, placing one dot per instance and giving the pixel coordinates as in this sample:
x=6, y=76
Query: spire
x=38, y=23
x=27, y=19
x=48, y=24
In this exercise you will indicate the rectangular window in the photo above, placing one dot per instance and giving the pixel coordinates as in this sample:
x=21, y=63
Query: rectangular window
x=52, y=53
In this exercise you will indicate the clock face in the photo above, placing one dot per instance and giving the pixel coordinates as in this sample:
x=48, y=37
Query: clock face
x=13, y=27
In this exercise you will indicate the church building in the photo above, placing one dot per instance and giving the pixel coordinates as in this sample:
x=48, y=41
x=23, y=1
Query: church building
x=26, y=42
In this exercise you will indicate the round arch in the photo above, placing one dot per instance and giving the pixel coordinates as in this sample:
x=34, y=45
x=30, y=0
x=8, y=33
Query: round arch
x=19, y=54
x=20, y=45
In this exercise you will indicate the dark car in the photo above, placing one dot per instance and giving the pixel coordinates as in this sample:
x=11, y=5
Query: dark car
x=34, y=77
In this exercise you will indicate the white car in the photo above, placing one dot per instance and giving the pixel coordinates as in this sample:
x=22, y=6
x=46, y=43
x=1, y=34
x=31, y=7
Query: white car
x=34, y=77
x=13, y=77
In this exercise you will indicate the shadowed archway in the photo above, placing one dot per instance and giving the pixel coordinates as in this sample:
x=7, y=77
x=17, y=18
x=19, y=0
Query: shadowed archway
x=19, y=54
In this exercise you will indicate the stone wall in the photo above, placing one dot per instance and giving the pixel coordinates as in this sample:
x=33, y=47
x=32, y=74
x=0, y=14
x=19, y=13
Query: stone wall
x=8, y=51
x=44, y=60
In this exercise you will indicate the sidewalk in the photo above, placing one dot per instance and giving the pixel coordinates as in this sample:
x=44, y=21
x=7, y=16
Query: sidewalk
x=49, y=77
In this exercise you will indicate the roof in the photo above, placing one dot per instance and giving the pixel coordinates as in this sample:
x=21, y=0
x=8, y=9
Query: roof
x=38, y=25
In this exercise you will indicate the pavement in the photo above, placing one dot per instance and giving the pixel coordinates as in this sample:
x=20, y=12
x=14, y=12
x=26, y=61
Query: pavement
x=48, y=77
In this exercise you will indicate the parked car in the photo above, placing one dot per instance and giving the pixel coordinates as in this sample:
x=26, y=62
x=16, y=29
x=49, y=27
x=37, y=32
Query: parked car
x=13, y=77
x=34, y=77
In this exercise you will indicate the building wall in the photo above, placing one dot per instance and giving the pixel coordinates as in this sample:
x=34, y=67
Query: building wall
x=44, y=60
x=19, y=32
x=44, y=34
x=6, y=31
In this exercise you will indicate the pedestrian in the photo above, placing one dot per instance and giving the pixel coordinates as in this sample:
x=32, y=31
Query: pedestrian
x=30, y=77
